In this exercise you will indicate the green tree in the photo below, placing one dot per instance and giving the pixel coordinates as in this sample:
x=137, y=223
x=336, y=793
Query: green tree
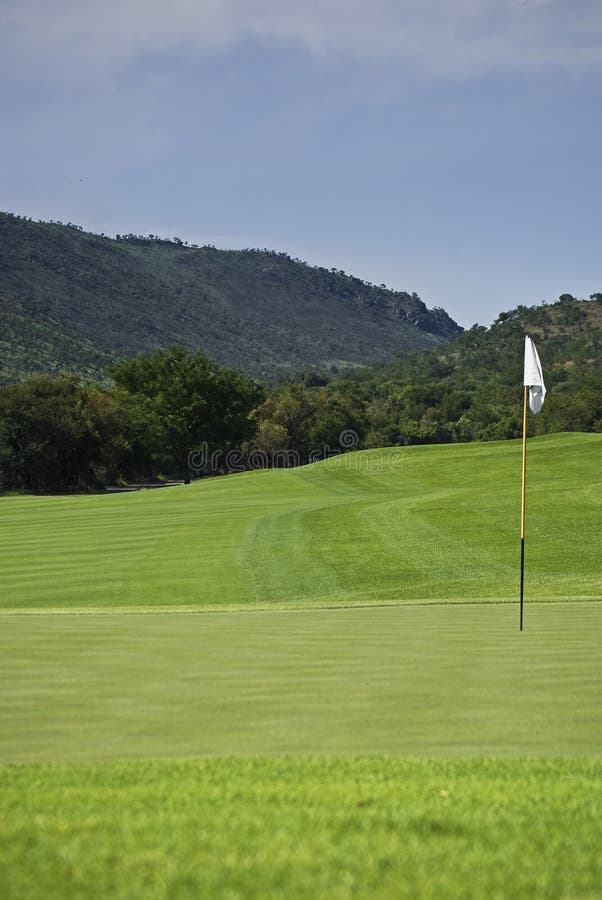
x=180, y=401
x=290, y=412
x=58, y=435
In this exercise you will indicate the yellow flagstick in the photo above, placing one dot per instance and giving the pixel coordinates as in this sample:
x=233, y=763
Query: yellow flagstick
x=523, y=498
x=535, y=394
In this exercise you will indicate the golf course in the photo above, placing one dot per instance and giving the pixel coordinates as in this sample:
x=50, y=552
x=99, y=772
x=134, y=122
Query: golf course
x=308, y=682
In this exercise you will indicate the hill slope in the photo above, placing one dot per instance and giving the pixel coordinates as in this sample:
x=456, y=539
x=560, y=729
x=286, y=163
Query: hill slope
x=471, y=388
x=75, y=300
x=401, y=525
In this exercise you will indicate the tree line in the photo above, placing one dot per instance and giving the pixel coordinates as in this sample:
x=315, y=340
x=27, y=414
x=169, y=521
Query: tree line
x=174, y=414
x=60, y=434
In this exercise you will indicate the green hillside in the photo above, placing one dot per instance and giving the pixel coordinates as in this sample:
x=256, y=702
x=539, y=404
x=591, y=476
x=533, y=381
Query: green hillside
x=437, y=523
x=77, y=301
x=36, y=342
x=470, y=388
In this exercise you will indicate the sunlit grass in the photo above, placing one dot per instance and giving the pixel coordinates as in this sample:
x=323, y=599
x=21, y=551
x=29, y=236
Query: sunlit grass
x=421, y=523
x=302, y=828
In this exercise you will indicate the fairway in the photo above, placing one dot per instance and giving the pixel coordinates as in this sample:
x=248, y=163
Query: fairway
x=433, y=523
x=420, y=681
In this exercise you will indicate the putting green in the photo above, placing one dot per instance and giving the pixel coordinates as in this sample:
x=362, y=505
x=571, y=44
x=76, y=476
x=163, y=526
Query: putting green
x=434, y=523
x=424, y=681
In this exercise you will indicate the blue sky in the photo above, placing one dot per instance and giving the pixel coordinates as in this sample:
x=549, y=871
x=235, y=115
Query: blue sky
x=447, y=147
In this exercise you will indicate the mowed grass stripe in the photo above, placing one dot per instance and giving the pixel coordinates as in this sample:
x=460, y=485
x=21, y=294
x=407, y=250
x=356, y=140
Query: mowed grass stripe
x=428, y=680
x=422, y=523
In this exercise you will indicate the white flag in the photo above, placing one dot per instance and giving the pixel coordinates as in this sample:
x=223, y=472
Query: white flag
x=533, y=377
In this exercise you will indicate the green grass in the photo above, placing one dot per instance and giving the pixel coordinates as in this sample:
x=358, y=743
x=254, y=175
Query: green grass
x=302, y=828
x=263, y=745
x=433, y=681
x=434, y=523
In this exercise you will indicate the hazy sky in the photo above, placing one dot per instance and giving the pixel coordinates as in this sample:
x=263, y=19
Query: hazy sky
x=447, y=147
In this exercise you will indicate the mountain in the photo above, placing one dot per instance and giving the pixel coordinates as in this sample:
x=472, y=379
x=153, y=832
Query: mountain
x=73, y=300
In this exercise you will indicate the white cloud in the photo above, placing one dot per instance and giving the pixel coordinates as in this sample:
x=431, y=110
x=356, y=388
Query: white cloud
x=441, y=36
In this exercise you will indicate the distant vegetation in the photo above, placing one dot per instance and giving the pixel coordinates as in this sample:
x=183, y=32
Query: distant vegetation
x=470, y=389
x=170, y=413
x=59, y=434
x=75, y=301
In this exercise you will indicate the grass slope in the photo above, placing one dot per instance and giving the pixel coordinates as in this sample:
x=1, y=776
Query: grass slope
x=435, y=523
x=259, y=828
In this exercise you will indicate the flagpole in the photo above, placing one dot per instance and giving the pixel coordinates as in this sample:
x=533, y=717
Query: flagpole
x=523, y=498
x=535, y=394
